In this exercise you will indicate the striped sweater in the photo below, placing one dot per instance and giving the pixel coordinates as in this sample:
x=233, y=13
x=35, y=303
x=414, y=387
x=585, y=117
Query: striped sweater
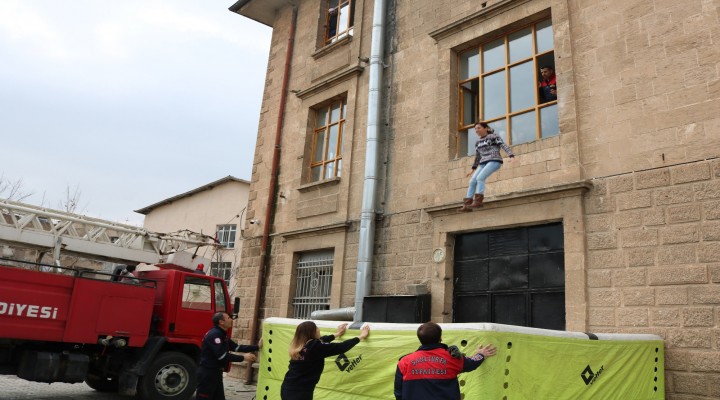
x=488, y=149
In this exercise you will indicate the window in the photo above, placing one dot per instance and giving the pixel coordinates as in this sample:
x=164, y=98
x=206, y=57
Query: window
x=197, y=294
x=313, y=283
x=339, y=20
x=219, y=296
x=327, y=144
x=221, y=270
x=511, y=276
x=500, y=83
x=226, y=235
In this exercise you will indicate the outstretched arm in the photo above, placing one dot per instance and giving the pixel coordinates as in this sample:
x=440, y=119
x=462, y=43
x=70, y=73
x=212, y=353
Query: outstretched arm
x=483, y=352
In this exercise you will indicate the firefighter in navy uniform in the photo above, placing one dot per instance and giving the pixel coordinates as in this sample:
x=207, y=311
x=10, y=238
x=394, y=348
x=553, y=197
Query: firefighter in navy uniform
x=215, y=357
x=431, y=371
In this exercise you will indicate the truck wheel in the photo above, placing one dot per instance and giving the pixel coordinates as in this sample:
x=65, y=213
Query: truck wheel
x=102, y=384
x=171, y=376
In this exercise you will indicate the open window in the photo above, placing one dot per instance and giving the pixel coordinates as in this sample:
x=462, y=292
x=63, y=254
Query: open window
x=500, y=82
x=339, y=20
x=226, y=235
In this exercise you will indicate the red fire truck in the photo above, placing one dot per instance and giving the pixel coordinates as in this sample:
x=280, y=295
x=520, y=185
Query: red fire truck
x=134, y=336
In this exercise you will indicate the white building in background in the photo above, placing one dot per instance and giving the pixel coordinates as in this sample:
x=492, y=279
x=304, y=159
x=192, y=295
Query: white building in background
x=215, y=209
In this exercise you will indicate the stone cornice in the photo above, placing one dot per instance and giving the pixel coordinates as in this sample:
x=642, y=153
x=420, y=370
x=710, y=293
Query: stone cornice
x=314, y=231
x=330, y=81
x=577, y=188
x=475, y=18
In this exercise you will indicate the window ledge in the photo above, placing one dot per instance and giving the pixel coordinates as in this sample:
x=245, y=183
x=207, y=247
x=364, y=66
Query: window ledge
x=309, y=232
x=336, y=78
x=576, y=188
x=330, y=47
x=312, y=185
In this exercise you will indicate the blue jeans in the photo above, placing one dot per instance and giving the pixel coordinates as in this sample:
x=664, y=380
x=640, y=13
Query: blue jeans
x=477, y=181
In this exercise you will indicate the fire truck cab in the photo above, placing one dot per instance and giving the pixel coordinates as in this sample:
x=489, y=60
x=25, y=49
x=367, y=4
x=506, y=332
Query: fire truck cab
x=132, y=335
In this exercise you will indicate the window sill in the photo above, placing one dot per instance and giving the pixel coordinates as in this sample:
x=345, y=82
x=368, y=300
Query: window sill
x=330, y=47
x=313, y=185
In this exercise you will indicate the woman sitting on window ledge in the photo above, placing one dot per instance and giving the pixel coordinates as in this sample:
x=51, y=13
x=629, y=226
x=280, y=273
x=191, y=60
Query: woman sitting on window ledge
x=487, y=160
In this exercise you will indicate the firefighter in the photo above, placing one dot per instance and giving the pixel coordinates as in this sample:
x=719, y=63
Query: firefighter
x=431, y=371
x=216, y=355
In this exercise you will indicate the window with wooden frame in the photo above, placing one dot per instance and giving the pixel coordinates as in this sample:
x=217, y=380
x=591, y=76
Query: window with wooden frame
x=500, y=83
x=327, y=144
x=339, y=20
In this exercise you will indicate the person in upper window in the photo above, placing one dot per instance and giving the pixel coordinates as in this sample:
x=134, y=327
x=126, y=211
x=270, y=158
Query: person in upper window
x=548, y=84
x=332, y=21
x=307, y=358
x=487, y=160
x=431, y=371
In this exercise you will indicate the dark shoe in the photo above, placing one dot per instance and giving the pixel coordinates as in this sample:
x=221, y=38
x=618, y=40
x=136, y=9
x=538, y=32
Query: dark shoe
x=466, y=202
x=477, y=201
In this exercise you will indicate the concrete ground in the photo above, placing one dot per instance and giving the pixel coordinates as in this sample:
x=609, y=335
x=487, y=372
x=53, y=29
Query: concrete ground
x=14, y=388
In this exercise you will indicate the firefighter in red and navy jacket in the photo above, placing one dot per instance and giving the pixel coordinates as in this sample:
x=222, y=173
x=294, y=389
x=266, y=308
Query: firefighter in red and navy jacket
x=215, y=356
x=548, y=84
x=431, y=371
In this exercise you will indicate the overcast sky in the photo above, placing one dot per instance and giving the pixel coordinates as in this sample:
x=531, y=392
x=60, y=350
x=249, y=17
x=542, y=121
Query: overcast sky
x=130, y=101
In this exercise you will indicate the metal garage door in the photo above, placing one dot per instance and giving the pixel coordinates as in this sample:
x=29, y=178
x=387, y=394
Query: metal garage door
x=511, y=276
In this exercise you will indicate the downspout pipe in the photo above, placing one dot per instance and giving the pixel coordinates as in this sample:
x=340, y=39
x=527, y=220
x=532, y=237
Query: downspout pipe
x=272, y=191
x=372, y=152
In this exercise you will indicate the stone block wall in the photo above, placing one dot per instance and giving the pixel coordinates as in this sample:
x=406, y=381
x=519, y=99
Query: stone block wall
x=653, y=240
x=403, y=252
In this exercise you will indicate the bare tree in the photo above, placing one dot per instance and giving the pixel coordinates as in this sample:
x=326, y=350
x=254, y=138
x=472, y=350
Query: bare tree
x=71, y=202
x=13, y=190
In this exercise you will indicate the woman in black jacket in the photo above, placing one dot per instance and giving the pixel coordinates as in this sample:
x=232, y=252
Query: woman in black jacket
x=307, y=358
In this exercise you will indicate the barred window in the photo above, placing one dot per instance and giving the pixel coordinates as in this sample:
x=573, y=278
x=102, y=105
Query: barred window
x=221, y=270
x=313, y=283
x=226, y=235
x=500, y=83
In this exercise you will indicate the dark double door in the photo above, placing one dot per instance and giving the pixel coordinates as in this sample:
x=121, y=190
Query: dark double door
x=511, y=276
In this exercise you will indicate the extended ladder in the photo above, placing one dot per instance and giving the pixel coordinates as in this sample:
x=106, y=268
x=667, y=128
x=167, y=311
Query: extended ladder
x=52, y=230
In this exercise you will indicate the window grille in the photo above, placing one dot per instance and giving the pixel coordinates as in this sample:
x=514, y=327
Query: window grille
x=221, y=270
x=314, y=281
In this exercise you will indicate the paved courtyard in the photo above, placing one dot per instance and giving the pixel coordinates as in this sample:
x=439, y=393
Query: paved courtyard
x=14, y=388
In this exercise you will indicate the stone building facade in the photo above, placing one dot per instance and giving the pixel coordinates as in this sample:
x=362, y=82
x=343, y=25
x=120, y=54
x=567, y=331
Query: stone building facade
x=622, y=167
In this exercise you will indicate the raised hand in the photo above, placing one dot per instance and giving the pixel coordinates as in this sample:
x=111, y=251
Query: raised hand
x=364, y=332
x=341, y=330
x=249, y=357
x=487, y=351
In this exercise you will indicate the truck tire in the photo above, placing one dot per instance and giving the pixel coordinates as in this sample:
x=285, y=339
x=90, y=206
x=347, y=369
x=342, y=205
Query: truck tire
x=102, y=384
x=171, y=376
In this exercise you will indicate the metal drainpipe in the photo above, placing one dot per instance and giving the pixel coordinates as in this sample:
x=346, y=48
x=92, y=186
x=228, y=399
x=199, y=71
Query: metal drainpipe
x=367, y=215
x=269, y=207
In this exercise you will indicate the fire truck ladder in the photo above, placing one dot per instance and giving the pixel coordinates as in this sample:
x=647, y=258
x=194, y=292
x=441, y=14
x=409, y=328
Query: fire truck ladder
x=52, y=230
